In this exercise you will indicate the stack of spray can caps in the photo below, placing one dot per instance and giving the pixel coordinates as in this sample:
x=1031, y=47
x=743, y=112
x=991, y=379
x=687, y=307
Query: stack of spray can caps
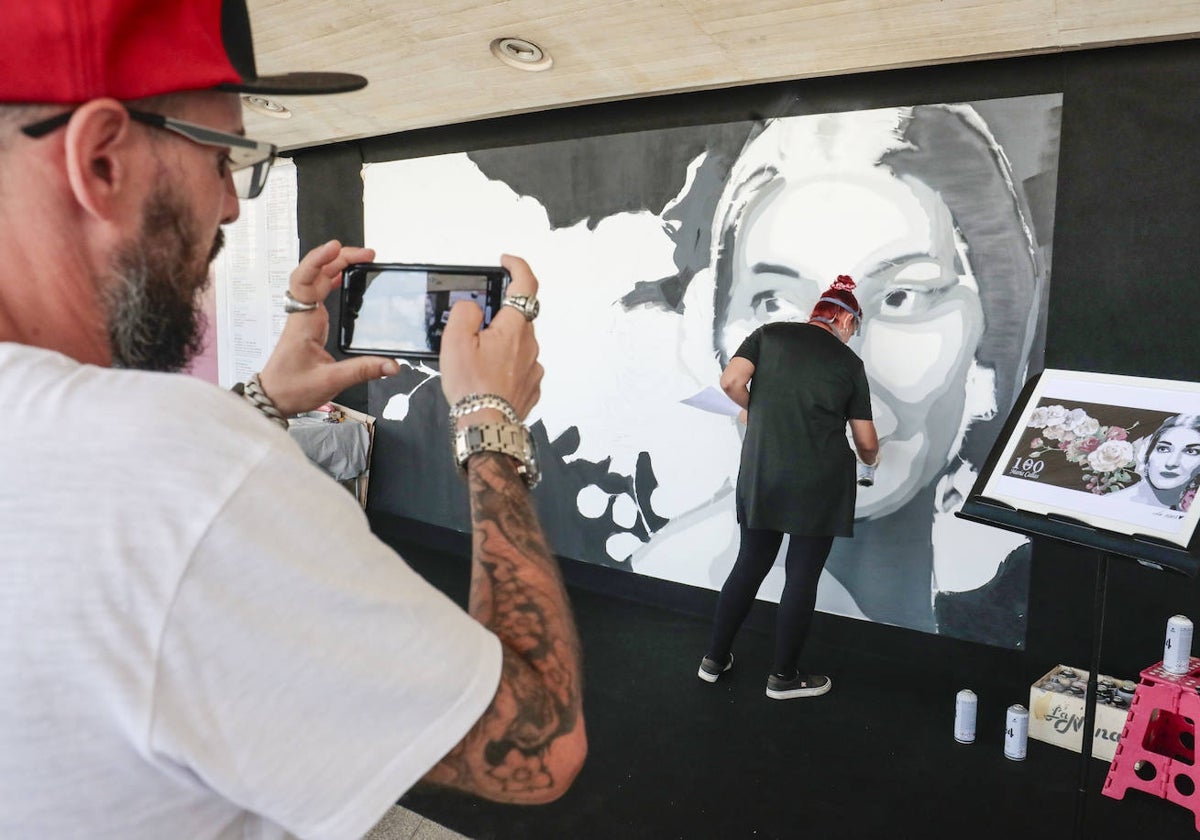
x=1016, y=725
x=1109, y=691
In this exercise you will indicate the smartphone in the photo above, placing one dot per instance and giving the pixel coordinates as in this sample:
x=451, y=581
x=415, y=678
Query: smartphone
x=394, y=309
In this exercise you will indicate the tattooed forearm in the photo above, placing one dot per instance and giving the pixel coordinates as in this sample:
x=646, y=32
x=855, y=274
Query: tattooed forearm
x=529, y=744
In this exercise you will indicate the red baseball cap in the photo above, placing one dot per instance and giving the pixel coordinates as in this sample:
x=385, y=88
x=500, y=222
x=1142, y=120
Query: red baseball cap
x=71, y=51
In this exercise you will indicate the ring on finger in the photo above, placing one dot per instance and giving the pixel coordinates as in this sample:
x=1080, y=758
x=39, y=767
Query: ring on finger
x=291, y=305
x=527, y=305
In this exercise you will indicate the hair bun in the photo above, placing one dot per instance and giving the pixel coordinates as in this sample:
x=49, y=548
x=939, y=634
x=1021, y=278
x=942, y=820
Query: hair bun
x=844, y=283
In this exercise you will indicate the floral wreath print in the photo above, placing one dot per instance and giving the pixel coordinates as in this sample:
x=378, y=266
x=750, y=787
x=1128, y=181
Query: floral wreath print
x=1105, y=456
x=1188, y=495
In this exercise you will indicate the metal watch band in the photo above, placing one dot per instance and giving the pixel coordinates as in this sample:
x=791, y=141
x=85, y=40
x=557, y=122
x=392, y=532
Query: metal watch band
x=511, y=439
x=474, y=402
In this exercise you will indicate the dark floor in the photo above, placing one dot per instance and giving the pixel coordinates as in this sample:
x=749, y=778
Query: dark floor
x=673, y=757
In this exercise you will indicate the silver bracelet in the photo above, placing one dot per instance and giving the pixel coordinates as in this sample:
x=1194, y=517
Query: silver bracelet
x=253, y=391
x=476, y=402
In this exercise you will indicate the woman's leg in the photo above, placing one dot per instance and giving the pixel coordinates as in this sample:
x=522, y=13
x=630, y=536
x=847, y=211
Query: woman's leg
x=805, y=558
x=756, y=554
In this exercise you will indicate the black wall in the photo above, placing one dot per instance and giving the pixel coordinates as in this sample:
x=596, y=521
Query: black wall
x=1122, y=294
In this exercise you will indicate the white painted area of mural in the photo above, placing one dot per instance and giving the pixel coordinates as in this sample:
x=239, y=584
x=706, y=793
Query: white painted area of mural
x=614, y=375
x=251, y=275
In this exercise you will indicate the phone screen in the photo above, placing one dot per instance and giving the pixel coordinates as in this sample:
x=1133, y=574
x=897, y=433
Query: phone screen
x=401, y=310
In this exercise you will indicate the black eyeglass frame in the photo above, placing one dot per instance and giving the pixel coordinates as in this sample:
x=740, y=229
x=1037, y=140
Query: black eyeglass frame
x=249, y=160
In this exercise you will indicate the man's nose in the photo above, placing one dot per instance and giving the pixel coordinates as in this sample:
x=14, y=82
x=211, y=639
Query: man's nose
x=232, y=207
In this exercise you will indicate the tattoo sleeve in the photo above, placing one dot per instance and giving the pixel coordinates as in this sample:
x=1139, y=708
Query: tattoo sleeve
x=530, y=743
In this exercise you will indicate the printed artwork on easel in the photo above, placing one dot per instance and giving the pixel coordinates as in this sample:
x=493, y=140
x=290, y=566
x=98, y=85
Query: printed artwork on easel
x=1102, y=449
x=1116, y=452
x=659, y=251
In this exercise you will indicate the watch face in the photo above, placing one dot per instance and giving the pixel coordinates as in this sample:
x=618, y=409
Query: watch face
x=512, y=440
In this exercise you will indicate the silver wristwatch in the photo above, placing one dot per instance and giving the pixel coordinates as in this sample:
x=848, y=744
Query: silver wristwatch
x=511, y=439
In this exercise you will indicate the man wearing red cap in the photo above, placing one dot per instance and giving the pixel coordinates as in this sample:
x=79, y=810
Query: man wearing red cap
x=199, y=635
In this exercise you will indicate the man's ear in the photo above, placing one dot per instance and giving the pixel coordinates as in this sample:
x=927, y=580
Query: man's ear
x=100, y=150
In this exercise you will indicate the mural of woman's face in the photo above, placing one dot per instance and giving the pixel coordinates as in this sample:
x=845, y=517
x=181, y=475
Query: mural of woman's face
x=1174, y=459
x=922, y=315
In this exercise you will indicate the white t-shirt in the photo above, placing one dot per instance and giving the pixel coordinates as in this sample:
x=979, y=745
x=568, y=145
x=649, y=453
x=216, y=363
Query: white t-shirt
x=199, y=635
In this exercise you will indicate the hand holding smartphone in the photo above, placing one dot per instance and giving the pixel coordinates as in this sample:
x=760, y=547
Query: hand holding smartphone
x=400, y=310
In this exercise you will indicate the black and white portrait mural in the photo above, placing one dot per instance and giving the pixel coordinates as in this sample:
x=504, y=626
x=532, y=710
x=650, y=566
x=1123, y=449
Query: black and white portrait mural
x=659, y=251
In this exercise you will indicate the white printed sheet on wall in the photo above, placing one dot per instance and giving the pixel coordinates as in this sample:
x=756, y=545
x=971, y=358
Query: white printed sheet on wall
x=251, y=275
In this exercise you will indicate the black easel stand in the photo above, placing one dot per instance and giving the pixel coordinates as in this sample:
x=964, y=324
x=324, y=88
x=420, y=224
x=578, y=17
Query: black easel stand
x=1089, y=705
x=1147, y=551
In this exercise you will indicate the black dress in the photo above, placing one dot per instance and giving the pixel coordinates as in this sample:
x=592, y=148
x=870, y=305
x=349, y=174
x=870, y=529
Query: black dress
x=797, y=469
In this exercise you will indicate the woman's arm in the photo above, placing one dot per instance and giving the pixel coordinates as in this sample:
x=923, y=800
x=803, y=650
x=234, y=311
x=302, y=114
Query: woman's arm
x=866, y=441
x=735, y=380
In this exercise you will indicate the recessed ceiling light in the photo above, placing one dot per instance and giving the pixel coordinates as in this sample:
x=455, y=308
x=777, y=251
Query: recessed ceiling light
x=522, y=54
x=266, y=107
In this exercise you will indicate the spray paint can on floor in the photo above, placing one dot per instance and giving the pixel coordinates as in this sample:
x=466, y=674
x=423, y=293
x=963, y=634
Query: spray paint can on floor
x=965, y=706
x=1177, y=650
x=1016, y=732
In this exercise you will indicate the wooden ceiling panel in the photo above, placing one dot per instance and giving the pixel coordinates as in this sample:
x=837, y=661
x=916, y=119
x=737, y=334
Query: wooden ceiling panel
x=429, y=63
x=1095, y=22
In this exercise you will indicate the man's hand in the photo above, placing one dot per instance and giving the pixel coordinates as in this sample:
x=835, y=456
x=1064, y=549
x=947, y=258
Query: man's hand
x=501, y=359
x=301, y=375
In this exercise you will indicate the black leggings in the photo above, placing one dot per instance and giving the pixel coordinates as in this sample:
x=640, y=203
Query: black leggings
x=805, y=559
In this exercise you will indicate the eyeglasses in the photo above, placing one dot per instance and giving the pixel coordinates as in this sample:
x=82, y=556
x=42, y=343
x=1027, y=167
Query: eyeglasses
x=249, y=160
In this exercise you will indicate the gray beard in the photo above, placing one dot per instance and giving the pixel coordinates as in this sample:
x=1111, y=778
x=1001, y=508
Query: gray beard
x=153, y=307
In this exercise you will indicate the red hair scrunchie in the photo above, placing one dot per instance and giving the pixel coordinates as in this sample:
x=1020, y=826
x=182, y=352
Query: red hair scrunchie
x=844, y=283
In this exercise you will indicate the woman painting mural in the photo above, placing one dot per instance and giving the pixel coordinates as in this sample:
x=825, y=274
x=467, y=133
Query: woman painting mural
x=799, y=387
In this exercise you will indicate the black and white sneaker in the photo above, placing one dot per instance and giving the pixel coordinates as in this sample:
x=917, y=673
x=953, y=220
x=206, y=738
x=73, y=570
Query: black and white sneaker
x=710, y=669
x=801, y=685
